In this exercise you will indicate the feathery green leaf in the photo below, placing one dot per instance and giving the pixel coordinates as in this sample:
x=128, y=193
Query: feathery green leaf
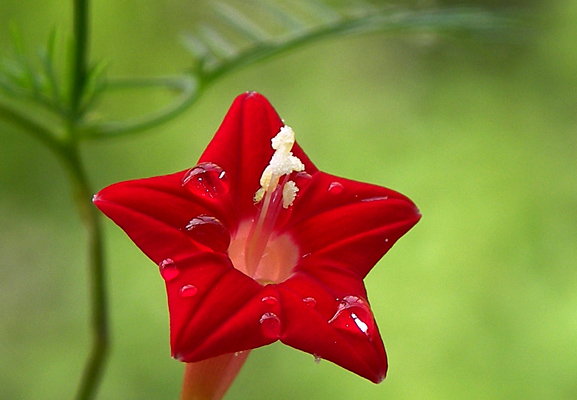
x=245, y=33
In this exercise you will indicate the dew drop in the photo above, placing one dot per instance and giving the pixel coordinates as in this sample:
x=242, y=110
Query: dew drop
x=188, y=290
x=302, y=179
x=270, y=324
x=378, y=198
x=360, y=324
x=317, y=359
x=168, y=269
x=270, y=300
x=310, y=301
x=336, y=187
x=353, y=314
x=206, y=179
x=210, y=232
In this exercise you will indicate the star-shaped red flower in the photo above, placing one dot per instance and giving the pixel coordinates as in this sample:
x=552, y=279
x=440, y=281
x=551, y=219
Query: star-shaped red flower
x=242, y=269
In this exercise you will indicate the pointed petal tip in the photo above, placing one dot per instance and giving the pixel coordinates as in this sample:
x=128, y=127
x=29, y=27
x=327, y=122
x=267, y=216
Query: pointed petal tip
x=414, y=213
x=251, y=101
x=97, y=199
x=380, y=378
x=405, y=208
x=417, y=212
x=251, y=95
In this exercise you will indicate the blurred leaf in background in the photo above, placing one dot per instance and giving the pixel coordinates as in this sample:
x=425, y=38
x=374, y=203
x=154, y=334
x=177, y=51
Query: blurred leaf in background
x=479, y=301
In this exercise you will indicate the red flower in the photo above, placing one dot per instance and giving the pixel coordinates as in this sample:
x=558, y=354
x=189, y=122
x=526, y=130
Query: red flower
x=242, y=269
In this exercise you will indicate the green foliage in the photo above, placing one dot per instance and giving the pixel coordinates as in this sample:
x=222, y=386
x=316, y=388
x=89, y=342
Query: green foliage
x=39, y=79
x=237, y=35
x=216, y=53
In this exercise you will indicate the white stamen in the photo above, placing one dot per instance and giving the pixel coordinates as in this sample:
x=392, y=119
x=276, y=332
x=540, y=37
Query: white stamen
x=289, y=194
x=258, y=195
x=281, y=165
x=283, y=162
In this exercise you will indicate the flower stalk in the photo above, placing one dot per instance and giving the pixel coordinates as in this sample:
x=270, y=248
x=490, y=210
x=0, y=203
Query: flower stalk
x=97, y=277
x=79, y=57
x=83, y=191
x=210, y=379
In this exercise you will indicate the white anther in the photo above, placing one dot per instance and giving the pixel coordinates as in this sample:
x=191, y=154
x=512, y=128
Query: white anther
x=289, y=194
x=283, y=162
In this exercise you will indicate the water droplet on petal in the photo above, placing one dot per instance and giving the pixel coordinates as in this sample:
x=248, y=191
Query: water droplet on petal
x=378, y=198
x=168, y=269
x=336, y=187
x=302, y=179
x=206, y=179
x=310, y=301
x=270, y=324
x=360, y=324
x=353, y=314
x=210, y=232
x=270, y=300
x=317, y=358
x=188, y=290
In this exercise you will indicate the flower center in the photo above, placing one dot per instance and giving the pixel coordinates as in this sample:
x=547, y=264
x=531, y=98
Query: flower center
x=279, y=257
x=257, y=250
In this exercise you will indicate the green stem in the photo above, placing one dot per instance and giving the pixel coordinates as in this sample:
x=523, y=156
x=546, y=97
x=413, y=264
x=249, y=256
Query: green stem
x=80, y=56
x=83, y=195
x=190, y=90
x=68, y=153
x=98, y=298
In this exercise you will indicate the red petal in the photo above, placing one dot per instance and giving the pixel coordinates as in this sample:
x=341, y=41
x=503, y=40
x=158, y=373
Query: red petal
x=342, y=228
x=315, y=322
x=352, y=227
x=222, y=313
x=243, y=149
x=214, y=309
x=154, y=212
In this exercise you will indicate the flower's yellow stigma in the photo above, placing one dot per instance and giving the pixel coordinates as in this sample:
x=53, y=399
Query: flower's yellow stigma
x=283, y=162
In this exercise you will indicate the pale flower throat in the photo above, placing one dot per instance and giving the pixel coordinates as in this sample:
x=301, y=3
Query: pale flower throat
x=255, y=251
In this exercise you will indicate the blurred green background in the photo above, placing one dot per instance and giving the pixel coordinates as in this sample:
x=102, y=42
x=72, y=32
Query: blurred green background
x=478, y=301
